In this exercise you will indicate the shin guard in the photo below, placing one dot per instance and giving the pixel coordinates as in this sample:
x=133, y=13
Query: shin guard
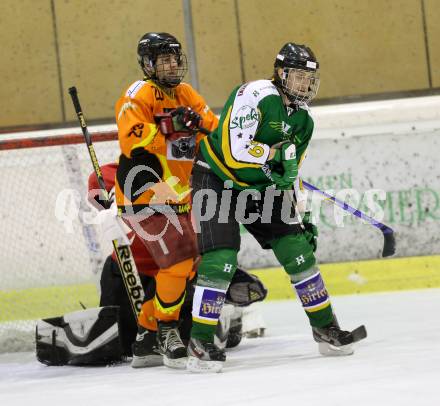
x=215, y=272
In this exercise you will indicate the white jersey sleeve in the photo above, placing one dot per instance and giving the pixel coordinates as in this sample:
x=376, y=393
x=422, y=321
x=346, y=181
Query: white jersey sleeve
x=244, y=121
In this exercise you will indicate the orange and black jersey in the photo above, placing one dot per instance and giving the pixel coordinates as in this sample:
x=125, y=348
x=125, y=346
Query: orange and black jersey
x=154, y=170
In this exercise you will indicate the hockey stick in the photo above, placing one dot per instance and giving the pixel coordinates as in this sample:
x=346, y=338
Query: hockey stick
x=389, y=245
x=124, y=256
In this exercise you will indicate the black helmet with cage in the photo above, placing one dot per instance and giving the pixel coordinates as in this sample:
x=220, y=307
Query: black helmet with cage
x=297, y=73
x=168, y=73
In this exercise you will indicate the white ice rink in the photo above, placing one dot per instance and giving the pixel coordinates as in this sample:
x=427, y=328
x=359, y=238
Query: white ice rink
x=398, y=364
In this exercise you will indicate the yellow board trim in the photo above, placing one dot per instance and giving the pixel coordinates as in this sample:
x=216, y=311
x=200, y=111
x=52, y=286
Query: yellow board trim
x=37, y=303
x=382, y=275
x=347, y=278
x=226, y=147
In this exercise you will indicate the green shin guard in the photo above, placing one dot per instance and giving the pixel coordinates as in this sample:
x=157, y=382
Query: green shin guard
x=295, y=254
x=203, y=332
x=215, y=272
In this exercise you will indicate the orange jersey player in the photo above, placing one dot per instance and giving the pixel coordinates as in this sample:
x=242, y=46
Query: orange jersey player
x=152, y=185
x=112, y=287
x=141, y=140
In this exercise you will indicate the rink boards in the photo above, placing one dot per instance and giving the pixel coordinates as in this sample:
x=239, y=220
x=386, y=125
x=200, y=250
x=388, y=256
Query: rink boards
x=389, y=145
x=341, y=279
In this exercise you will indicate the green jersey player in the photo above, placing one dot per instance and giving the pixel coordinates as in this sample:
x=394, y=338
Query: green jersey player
x=245, y=173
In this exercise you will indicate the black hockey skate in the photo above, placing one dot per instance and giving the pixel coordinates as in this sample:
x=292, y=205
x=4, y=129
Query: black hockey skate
x=334, y=341
x=204, y=356
x=146, y=350
x=171, y=345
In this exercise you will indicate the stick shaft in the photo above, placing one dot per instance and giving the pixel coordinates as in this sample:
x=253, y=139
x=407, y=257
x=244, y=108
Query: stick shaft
x=382, y=227
x=124, y=255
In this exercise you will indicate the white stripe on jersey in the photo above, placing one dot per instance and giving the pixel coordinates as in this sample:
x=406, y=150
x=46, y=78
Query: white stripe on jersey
x=134, y=88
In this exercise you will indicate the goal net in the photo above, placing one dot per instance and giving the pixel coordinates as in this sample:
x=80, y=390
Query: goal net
x=51, y=253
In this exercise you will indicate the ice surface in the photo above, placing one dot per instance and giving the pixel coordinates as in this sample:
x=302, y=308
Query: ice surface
x=398, y=364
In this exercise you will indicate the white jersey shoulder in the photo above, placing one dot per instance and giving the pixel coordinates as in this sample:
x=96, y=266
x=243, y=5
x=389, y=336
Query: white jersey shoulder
x=243, y=124
x=130, y=93
x=256, y=91
x=134, y=88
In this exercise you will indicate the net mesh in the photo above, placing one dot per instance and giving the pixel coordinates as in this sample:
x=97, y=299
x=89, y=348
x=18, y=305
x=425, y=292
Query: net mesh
x=51, y=255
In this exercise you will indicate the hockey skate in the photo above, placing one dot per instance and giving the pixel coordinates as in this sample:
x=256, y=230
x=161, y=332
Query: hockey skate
x=145, y=350
x=332, y=341
x=171, y=345
x=204, y=357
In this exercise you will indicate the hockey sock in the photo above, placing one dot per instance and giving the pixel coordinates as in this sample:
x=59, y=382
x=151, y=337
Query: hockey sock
x=296, y=255
x=314, y=297
x=170, y=290
x=146, y=317
x=215, y=272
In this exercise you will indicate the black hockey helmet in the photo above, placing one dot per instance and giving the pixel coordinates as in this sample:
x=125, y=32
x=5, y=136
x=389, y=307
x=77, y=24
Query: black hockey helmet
x=299, y=79
x=150, y=47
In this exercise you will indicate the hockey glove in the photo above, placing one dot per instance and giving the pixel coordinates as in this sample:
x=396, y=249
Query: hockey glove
x=285, y=155
x=245, y=289
x=311, y=231
x=185, y=118
x=112, y=226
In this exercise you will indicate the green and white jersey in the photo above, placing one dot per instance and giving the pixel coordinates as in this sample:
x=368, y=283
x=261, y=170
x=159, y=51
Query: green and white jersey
x=253, y=119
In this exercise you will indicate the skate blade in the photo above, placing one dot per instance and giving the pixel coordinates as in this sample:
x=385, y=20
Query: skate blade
x=199, y=366
x=255, y=333
x=178, y=363
x=147, y=361
x=329, y=350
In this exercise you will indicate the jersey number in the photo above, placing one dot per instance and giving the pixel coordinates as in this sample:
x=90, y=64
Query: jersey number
x=158, y=94
x=256, y=150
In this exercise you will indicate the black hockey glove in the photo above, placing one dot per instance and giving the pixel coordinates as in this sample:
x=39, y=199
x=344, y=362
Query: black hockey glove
x=245, y=289
x=311, y=231
x=185, y=118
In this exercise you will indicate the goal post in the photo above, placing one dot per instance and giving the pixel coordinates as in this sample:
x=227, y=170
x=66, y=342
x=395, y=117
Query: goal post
x=51, y=255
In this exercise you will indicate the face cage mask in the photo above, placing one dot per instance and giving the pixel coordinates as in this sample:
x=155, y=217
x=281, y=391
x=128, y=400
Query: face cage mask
x=294, y=80
x=170, y=76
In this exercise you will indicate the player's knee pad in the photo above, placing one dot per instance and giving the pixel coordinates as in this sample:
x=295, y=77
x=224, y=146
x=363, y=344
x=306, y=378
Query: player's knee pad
x=181, y=270
x=171, y=282
x=215, y=272
x=217, y=267
x=294, y=253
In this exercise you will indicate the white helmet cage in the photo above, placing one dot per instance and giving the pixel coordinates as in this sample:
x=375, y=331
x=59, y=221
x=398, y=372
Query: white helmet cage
x=301, y=86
